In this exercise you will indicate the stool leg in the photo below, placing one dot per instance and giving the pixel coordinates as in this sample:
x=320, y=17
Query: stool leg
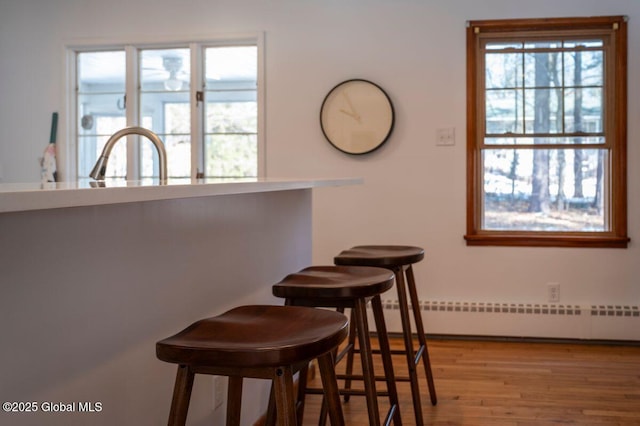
x=417, y=315
x=362, y=330
x=387, y=363
x=349, y=365
x=234, y=400
x=303, y=373
x=408, y=344
x=302, y=392
x=271, y=409
x=322, y=420
x=285, y=398
x=181, y=396
x=330, y=385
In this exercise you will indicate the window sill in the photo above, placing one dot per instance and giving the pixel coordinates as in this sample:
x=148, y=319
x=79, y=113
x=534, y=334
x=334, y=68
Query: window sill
x=545, y=240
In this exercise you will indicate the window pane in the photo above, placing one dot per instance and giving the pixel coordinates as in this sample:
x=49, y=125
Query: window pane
x=503, y=70
x=232, y=117
x=501, y=45
x=543, y=111
x=164, y=104
x=101, y=72
x=544, y=190
x=584, y=110
x=100, y=109
x=231, y=111
x=551, y=44
x=90, y=147
x=504, y=111
x=594, y=140
x=178, y=149
x=231, y=64
x=231, y=155
x=176, y=117
x=543, y=70
x=228, y=95
x=583, y=43
x=583, y=68
x=168, y=115
x=93, y=105
x=165, y=70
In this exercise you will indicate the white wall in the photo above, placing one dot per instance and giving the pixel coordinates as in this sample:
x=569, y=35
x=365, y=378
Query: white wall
x=414, y=192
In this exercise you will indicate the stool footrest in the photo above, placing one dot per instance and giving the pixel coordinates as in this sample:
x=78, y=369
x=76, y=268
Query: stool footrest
x=394, y=351
x=359, y=377
x=358, y=392
x=416, y=359
x=390, y=414
x=345, y=351
x=378, y=378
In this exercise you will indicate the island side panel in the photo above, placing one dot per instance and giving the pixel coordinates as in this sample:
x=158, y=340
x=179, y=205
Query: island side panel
x=87, y=291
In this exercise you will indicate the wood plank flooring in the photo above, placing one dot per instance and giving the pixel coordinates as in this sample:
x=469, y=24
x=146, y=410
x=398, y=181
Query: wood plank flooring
x=488, y=383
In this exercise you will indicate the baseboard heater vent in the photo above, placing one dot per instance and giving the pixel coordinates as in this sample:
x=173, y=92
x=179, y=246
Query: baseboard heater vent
x=615, y=311
x=522, y=308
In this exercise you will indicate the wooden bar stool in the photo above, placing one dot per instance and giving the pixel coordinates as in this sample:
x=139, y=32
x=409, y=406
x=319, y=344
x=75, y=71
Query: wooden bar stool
x=265, y=342
x=400, y=259
x=349, y=287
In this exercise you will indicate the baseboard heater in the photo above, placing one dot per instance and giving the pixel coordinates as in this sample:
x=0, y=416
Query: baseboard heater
x=522, y=308
x=615, y=322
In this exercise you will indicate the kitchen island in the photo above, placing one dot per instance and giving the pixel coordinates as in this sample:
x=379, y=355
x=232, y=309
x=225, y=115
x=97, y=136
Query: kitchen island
x=92, y=277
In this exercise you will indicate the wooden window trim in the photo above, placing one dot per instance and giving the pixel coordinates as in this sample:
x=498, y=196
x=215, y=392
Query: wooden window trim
x=616, y=237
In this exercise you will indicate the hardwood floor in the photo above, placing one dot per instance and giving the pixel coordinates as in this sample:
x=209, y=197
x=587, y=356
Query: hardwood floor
x=516, y=384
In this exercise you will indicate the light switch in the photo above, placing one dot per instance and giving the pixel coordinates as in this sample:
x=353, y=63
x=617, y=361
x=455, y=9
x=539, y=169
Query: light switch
x=446, y=136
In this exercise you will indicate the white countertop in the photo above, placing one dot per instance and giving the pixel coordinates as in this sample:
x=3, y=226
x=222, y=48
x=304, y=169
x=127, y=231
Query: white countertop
x=36, y=196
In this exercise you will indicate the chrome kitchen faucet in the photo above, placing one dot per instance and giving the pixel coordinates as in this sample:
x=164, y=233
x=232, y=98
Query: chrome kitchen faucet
x=100, y=168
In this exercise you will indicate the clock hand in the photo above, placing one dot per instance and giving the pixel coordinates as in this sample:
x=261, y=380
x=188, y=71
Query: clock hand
x=351, y=114
x=348, y=99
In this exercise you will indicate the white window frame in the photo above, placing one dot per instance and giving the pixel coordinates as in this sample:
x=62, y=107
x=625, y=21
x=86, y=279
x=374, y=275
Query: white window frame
x=67, y=147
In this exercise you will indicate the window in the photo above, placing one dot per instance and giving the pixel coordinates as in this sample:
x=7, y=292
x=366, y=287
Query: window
x=201, y=99
x=546, y=130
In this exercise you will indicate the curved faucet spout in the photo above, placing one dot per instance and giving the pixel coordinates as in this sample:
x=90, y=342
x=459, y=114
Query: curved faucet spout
x=99, y=170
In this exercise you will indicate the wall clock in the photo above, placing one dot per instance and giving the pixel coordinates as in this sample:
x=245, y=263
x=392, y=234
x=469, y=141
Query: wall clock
x=357, y=116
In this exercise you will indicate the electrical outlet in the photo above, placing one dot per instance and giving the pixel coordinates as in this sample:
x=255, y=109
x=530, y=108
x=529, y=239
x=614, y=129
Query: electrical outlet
x=553, y=292
x=218, y=391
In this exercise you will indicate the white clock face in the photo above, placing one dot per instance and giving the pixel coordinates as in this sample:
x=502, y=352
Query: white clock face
x=357, y=116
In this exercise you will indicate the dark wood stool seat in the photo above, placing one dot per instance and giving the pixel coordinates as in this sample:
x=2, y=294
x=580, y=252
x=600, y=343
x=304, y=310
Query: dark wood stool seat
x=381, y=256
x=400, y=259
x=266, y=342
x=349, y=287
